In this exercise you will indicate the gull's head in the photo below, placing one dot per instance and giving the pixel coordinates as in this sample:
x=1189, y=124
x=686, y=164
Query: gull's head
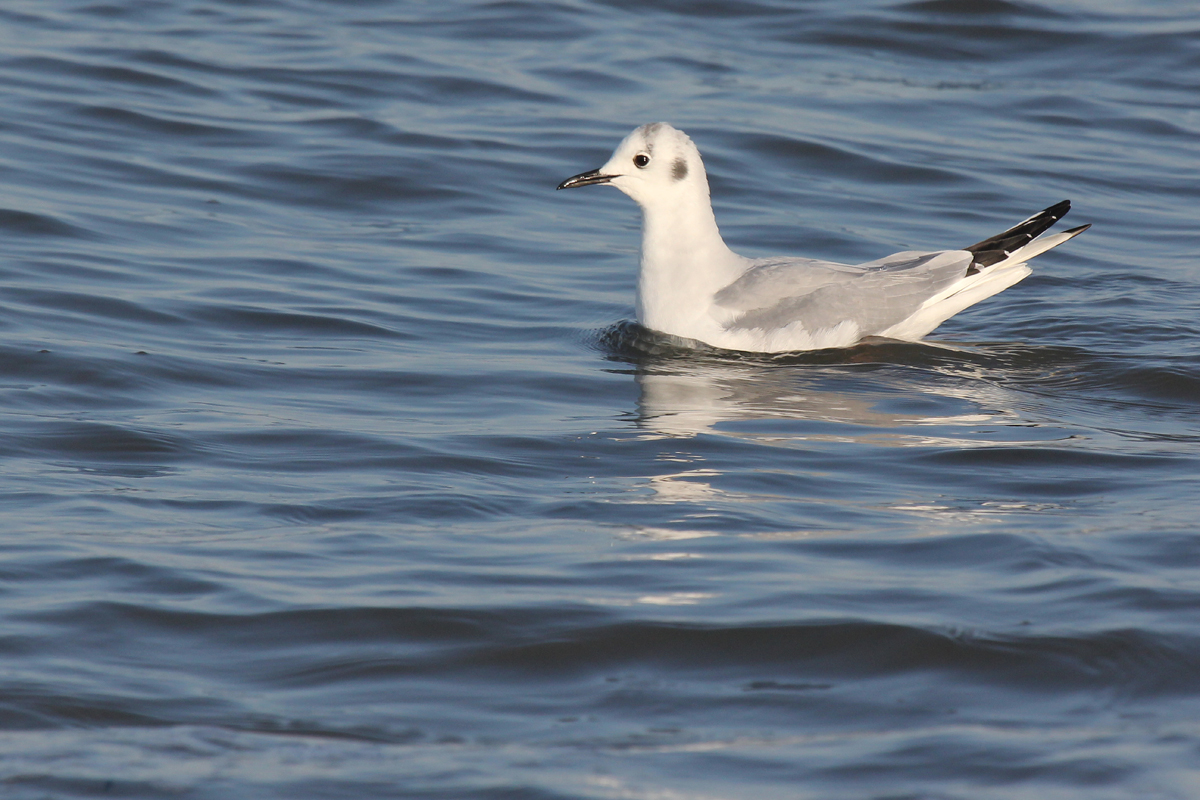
x=654, y=164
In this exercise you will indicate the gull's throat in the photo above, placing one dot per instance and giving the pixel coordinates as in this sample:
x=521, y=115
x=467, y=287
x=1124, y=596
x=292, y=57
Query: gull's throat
x=685, y=262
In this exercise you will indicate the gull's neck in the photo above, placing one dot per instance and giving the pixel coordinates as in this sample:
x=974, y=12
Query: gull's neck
x=684, y=263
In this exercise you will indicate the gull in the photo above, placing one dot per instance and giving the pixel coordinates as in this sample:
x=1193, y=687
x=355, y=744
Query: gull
x=692, y=286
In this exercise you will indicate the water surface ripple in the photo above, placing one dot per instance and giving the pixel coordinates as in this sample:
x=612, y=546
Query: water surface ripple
x=333, y=467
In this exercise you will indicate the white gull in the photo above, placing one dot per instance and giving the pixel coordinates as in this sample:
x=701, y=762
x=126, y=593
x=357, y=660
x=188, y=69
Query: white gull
x=693, y=286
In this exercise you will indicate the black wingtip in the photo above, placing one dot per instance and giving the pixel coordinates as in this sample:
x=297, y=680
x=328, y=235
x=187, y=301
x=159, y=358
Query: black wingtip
x=997, y=248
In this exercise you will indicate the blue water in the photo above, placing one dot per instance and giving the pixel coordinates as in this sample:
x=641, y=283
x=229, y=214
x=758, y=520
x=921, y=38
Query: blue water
x=332, y=465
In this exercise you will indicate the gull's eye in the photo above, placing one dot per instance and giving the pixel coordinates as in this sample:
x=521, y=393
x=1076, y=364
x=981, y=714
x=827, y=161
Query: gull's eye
x=641, y=160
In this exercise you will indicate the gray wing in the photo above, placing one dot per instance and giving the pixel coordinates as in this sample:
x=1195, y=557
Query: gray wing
x=775, y=292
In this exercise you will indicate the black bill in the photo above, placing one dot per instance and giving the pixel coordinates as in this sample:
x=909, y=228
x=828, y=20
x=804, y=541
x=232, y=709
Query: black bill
x=585, y=179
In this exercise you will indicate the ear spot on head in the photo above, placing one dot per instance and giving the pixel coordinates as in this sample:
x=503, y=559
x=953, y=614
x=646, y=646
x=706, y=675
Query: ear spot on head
x=679, y=169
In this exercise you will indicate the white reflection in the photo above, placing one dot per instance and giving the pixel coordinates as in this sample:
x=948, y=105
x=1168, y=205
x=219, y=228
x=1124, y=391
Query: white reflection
x=658, y=556
x=688, y=401
x=682, y=487
x=664, y=534
x=836, y=410
x=675, y=598
x=664, y=599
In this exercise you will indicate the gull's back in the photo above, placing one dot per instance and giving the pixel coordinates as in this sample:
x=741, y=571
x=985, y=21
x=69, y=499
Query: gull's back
x=803, y=303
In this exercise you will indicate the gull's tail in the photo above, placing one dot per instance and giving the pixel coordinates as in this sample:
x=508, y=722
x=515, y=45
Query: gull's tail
x=996, y=264
x=1017, y=244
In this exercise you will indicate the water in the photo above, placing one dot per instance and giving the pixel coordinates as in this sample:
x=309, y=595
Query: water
x=332, y=467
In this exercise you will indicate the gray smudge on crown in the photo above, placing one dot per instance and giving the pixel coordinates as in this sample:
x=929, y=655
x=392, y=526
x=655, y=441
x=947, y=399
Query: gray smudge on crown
x=648, y=132
x=679, y=169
